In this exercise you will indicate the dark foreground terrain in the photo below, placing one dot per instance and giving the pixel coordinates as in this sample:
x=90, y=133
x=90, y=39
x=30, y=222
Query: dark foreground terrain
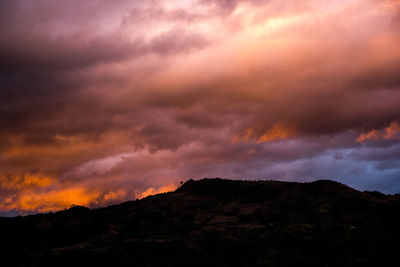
x=215, y=222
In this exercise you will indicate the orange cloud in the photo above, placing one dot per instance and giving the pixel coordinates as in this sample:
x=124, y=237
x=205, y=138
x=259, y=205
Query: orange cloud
x=274, y=133
x=153, y=191
x=48, y=200
x=392, y=132
x=41, y=193
x=115, y=195
x=371, y=135
x=25, y=181
x=389, y=133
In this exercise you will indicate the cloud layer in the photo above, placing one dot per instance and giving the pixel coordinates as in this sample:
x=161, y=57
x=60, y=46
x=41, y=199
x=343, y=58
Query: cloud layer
x=104, y=101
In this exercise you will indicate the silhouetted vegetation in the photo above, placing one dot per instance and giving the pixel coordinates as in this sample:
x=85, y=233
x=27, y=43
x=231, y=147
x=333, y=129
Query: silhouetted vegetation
x=216, y=222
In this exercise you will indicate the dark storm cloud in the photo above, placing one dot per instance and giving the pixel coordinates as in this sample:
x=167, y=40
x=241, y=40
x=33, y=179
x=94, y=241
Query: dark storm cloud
x=43, y=62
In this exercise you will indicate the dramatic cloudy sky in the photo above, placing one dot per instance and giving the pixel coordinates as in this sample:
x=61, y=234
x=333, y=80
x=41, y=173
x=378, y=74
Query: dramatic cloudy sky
x=104, y=101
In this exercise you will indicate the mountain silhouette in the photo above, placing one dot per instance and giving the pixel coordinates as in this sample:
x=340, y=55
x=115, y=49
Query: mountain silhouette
x=216, y=222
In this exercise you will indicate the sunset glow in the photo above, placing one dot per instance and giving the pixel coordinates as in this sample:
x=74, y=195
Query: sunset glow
x=107, y=101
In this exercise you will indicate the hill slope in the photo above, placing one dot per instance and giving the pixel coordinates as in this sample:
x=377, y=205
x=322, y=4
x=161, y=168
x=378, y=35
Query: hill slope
x=216, y=222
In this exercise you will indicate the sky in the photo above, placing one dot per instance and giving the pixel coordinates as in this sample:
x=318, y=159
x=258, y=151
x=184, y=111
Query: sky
x=107, y=101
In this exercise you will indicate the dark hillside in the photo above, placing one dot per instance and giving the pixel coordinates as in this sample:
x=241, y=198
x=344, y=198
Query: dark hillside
x=216, y=222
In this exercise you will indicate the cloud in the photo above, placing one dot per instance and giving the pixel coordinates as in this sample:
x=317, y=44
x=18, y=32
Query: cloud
x=392, y=132
x=153, y=191
x=110, y=99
